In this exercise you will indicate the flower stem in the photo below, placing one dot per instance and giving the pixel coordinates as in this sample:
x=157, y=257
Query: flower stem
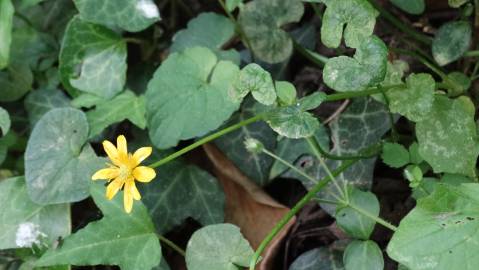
x=316, y=58
x=207, y=139
x=373, y=217
x=291, y=166
x=171, y=244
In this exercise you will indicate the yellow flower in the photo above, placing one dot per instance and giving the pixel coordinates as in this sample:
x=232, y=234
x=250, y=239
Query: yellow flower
x=124, y=170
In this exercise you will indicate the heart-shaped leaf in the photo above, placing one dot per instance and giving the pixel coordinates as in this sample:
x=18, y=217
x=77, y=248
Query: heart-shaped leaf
x=191, y=80
x=92, y=59
x=15, y=82
x=395, y=155
x=253, y=78
x=414, y=7
x=39, y=102
x=451, y=41
x=363, y=255
x=130, y=15
x=368, y=67
x=261, y=21
x=319, y=258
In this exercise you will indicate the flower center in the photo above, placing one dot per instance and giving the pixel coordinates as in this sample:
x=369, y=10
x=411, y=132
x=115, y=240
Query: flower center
x=125, y=171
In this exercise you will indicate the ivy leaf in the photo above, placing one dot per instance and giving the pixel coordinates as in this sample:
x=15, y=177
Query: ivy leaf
x=440, y=230
x=253, y=78
x=39, y=102
x=6, y=25
x=353, y=222
x=218, y=247
x=363, y=255
x=130, y=15
x=262, y=20
x=368, y=67
x=124, y=106
x=358, y=16
x=451, y=41
x=200, y=194
x=395, y=155
x=92, y=59
x=318, y=258
x=448, y=138
x=414, y=7
x=127, y=240
x=415, y=100
x=208, y=30
x=4, y=121
x=58, y=163
x=20, y=217
x=15, y=82
x=191, y=80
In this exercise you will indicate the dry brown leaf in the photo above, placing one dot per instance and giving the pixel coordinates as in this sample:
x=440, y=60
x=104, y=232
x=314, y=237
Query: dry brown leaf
x=248, y=206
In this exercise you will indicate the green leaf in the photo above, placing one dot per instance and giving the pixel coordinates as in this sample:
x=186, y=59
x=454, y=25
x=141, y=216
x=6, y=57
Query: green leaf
x=4, y=121
x=461, y=82
x=189, y=81
x=457, y=3
x=319, y=258
x=92, y=59
x=39, y=102
x=292, y=122
x=127, y=240
x=312, y=101
x=440, y=232
x=448, y=138
x=87, y=100
x=130, y=15
x=353, y=222
x=233, y=4
x=395, y=155
x=286, y=92
x=208, y=30
x=414, y=7
x=200, y=195
x=368, y=67
x=58, y=162
x=262, y=20
x=414, y=174
x=415, y=100
x=23, y=222
x=395, y=72
x=6, y=23
x=15, y=82
x=363, y=255
x=218, y=247
x=358, y=16
x=253, y=165
x=451, y=41
x=414, y=155
x=253, y=78
x=124, y=106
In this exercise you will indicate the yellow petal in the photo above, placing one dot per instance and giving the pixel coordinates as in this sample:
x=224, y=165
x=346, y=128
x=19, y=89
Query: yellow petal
x=111, y=151
x=144, y=174
x=127, y=197
x=141, y=154
x=113, y=188
x=134, y=191
x=121, y=145
x=108, y=173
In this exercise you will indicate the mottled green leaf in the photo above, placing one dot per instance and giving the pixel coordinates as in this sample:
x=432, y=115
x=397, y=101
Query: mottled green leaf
x=262, y=20
x=457, y=3
x=363, y=255
x=208, y=30
x=414, y=7
x=356, y=17
x=395, y=155
x=4, y=121
x=87, y=100
x=451, y=41
x=181, y=191
x=292, y=122
x=414, y=155
x=353, y=222
x=440, y=232
x=58, y=163
x=253, y=165
x=286, y=92
x=39, y=102
x=23, y=222
x=253, y=78
x=92, y=59
x=448, y=137
x=130, y=15
x=127, y=240
x=15, y=82
x=414, y=101
x=319, y=258
x=6, y=25
x=189, y=81
x=124, y=106
x=218, y=247
x=368, y=67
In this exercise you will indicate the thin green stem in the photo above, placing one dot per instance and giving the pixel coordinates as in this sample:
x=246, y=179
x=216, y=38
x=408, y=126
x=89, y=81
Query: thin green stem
x=373, y=217
x=206, y=140
x=347, y=157
x=307, y=198
x=171, y=244
x=316, y=58
x=401, y=25
x=291, y=166
x=474, y=53
x=394, y=133
x=134, y=40
x=363, y=93
x=319, y=200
